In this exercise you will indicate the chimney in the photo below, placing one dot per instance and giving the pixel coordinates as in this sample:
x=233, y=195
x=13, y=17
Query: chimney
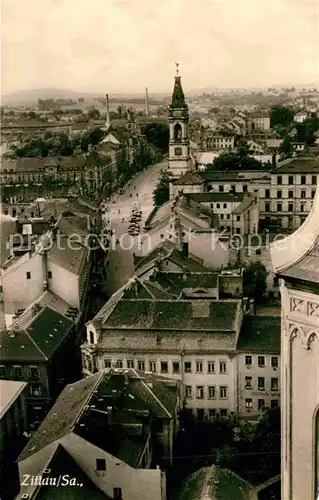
x=146, y=102
x=107, y=118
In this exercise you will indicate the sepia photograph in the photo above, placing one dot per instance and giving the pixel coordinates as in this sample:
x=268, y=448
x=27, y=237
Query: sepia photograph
x=159, y=264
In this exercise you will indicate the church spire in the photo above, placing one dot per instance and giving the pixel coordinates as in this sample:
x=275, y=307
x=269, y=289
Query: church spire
x=178, y=98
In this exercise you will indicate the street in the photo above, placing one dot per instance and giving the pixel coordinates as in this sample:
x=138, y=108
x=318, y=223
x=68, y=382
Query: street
x=120, y=261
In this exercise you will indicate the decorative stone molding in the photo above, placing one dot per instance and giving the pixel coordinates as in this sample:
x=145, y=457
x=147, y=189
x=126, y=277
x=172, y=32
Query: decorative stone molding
x=313, y=309
x=297, y=305
x=307, y=337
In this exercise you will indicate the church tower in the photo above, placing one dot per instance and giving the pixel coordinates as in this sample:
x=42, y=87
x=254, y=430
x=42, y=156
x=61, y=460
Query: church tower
x=179, y=149
x=295, y=260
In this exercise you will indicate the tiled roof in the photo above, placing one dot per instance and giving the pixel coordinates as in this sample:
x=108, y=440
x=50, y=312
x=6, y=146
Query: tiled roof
x=174, y=282
x=173, y=315
x=246, y=203
x=98, y=407
x=39, y=341
x=302, y=165
x=188, y=264
x=61, y=464
x=9, y=391
x=260, y=334
x=70, y=259
x=189, y=178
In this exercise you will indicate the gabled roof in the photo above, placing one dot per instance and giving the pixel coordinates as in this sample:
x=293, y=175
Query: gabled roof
x=98, y=408
x=39, y=341
x=69, y=258
x=9, y=391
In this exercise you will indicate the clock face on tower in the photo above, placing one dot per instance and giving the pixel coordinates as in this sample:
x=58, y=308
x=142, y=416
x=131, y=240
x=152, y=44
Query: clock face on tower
x=178, y=151
x=177, y=113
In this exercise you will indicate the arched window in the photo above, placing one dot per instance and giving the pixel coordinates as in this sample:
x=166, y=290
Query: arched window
x=91, y=337
x=177, y=132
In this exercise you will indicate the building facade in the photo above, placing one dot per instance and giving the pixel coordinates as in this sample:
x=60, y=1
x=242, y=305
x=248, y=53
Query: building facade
x=295, y=260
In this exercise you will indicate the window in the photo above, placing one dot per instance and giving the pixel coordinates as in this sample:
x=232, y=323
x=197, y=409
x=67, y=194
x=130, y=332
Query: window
x=130, y=363
x=303, y=179
x=49, y=275
x=33, y=373
x=274, y=403
x=233, y=188
x=17, y=372
x=261, y=383
x=119, y=363
x=200, y=414
x=302, y=207
x=274, y=362
x=188, y=367
x=258, y=251
x=225, y=205
x=248, y=360
x=222, y=367
x=238, y=218
x=223, y=392
x=223, y=413
x=188, y=391
x=290, y=207
x=221, y=189
x=28, y=275
x=199, y=392
x=267, y=207
x=107, y=363
x=313, y=193
x=211, y=367
x=2, y=371
x=164, y=367
x=248, y=403
x=261, y=361
x=279, y=180
x=261, y=404
x=152, y=365
x=279, y=207
x=212, y=413
x=211, y=391
x=245, y=189
x=274, y=384
x=279, y=194
x=222, y=216
x=117, y=494
x=267, y=193
x=199, y=367
x=248, y=381
x=217, y=205
x=290, y=194
x=290, y=180
x=141, y=366
x=314, y=179
x=303, y=194
x=176, y=367
x=100, y=464
x=35, y=390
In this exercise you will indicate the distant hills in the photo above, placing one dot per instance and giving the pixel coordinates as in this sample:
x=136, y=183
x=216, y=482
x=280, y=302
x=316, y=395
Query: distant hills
x=31, y=96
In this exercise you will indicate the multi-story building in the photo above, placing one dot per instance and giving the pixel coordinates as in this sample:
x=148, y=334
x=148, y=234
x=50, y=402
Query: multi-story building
x=13, y=426
x=288, y=199
x=258, y=365
x=40, y=350
x=295, y=260
x=217, y=142
x=258, y=121
x=116, y=426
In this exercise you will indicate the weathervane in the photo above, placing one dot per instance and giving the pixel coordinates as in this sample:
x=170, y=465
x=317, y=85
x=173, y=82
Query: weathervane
x=177, y=70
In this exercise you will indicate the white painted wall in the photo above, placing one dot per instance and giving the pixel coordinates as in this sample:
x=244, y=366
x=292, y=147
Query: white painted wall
x=64, y=284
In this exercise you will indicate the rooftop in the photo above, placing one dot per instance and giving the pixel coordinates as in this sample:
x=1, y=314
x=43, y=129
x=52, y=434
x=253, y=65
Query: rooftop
x=69, y=258
x=98, y=408
x=218, y=197
x=302, y=165
x=9, y=391
x=143, y=314
x=260, y=334
x=39, y=341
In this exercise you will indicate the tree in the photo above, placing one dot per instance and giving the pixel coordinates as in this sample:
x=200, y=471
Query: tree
x=94, y=113
x=157, y=134
x=286, y=146
x=254, y=281
x=281, y=115
x=161, y=192
x=267, y=441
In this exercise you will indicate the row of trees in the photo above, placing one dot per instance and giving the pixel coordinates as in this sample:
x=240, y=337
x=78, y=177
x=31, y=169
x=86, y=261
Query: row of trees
x=60, y=145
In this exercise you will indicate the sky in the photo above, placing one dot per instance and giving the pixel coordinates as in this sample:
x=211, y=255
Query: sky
x=124, y=45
